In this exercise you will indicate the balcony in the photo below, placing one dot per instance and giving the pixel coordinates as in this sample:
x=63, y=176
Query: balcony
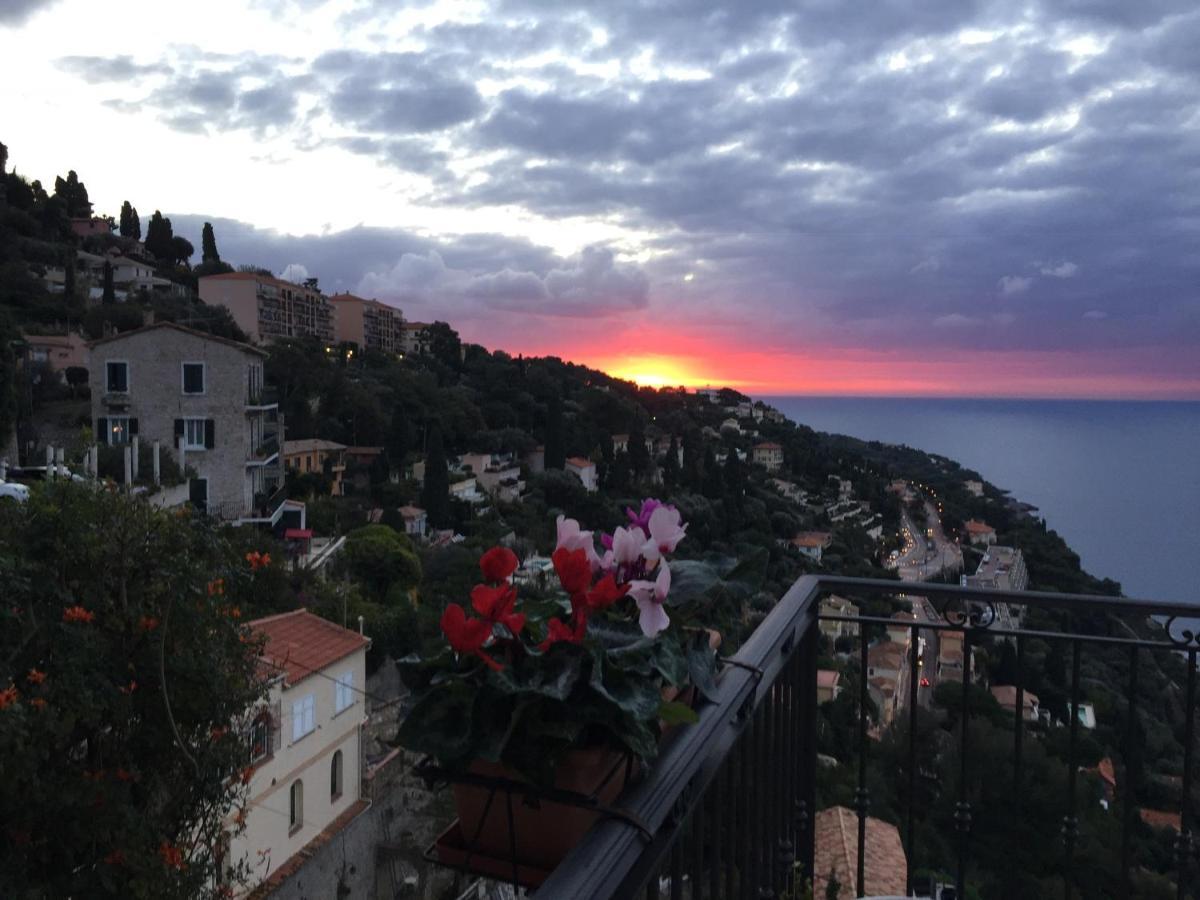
x=267, y=507
x=264, y=450
x=730, y=807
x=263, y=399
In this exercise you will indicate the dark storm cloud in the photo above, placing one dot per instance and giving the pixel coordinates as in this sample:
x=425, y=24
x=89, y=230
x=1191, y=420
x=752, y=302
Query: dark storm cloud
x=844, y=174
x=16, y=12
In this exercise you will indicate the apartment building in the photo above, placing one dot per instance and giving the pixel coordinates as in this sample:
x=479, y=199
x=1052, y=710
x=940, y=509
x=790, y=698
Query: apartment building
x=310, y=455
x=306, y=740
x=269, y=308
x=414, y=338
x=200, y=396
x=368, y=323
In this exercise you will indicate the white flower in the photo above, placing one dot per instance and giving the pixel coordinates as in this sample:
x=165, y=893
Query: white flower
x=650, y=597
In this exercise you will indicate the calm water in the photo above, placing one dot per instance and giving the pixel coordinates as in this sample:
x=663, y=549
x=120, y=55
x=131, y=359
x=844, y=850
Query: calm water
x=1119, y=481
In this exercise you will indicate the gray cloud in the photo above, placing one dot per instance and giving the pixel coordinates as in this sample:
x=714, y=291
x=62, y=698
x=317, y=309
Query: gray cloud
x=833, y=171
x=15, y=12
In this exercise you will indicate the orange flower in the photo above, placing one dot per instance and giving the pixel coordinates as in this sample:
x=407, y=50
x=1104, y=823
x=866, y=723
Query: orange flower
x=216, y=587
x=35, y=677
x=77, y=613
x=8, y=696
x=235, y=612
x=266, y=559
x=147, y=623
x=129, y=689
x=171, y=855
x=247, y=773
x=38, y=703
x=116, y=858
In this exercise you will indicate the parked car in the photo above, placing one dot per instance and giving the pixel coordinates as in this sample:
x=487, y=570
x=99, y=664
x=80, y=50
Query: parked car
x=30, y=474
x=12, y=491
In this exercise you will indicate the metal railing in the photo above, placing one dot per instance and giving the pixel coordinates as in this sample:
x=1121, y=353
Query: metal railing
x=729, y=808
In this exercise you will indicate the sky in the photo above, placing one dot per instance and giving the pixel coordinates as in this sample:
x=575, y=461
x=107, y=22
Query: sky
x=948, y=197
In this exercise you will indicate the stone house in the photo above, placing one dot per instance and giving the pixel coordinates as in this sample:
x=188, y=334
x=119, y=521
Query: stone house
x=200, y=396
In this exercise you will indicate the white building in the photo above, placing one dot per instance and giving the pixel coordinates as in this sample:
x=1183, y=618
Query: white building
x=585, y=471
x=415, y=521
x=307, y=740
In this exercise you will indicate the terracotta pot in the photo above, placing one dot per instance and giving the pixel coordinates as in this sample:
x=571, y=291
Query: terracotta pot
x=544, y=831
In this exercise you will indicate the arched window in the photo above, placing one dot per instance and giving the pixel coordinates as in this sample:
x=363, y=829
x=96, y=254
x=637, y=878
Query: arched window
x=296, y=807
x=335, y=776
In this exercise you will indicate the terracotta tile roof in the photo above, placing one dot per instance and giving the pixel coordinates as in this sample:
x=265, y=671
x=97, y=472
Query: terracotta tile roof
x=192, y=331
x=579, y=462
x=308, y=445
x=767, y=445
x=300, y=643
x=411, y=512
x=887, y=655
x=812, y=539
x=1107, y=772
x=1160, y=818
x=885, y=864
x=827, y=678
x=974, y=527
x=1006, y=696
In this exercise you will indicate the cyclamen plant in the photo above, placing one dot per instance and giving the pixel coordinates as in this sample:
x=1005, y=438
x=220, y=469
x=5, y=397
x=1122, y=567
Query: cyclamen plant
x=522, y=683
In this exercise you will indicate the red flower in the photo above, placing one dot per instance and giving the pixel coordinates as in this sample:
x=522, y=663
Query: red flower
x=171, y=855
x=9, y=695
x=605, y=593
x=257, y=561
x=495, y=604
x=574, y=570
x=35, y=677
x=77, y=613
x=498, y=563
x=467, y=635
x=147, y=623
x=38, y=703
x=218, y=586
x=557, y=631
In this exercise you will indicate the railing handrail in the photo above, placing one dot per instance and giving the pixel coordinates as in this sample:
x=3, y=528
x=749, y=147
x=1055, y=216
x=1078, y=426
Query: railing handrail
x=614, y=858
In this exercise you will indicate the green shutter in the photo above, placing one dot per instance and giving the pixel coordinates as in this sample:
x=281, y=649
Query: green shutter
x=210, y=434
x=102, y=431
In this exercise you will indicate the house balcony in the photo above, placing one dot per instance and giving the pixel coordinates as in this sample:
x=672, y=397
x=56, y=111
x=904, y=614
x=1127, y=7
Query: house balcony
x=264, y=451
x=264, y=399
x=733, y=805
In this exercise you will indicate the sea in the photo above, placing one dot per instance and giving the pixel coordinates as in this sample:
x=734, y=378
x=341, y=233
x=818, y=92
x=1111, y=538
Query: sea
x=1118, y=480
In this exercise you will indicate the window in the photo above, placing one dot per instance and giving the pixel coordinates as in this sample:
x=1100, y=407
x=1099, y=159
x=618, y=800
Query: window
x=119, y=430
x=260, y=737
x=302, y=716
x=343, y=692
x=193, y=378
x=193, y=434
x=296, y=807
x=335, y=776
x=116, y=377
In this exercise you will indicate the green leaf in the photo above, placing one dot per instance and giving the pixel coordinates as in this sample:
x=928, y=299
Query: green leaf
x=550, y=675
x=615, y=634
x=440, y=722
x=702, y=665
x=669, y=660
x=675, y=713
x=637, y=696
x=691, y=580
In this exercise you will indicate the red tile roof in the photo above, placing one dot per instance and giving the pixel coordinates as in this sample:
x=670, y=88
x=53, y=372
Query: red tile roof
x=300, y=643
x=812, y=539
x=767, y=445
x=1160, y=818
x=828, y=678
x=579, y=462
x=885, y=865
x=1105, y=770
x=974, y=527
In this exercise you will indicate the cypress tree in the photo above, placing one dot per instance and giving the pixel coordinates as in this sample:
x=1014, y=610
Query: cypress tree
x=69, y=275
x=160, y=238
x=671, y=465
x=208, y=245
x=435, y=493
x=556, y=445
x=399, y=439
x=130, y=225
x=639, y=456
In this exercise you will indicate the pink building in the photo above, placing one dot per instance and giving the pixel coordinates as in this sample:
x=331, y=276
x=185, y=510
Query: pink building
x=367, y=323
x=268, y=308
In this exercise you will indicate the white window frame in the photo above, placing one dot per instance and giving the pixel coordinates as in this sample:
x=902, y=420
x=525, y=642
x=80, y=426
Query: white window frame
x=303, y=717
x=188, y=424
x=108, y=437
x=343, y=692
x=203, y=378
x=128, y=376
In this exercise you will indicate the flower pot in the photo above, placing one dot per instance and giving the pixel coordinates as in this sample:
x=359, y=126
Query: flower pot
x=543, y=831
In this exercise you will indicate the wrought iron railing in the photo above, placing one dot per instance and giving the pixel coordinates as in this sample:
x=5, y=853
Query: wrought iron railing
x=729, y=808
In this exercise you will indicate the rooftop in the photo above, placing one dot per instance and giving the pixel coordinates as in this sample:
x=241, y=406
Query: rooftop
x=1006, y=696
x=200, y=334
x=976, y=527
x=836, y=852
x=579, y=462
x=300, y=643
x=309, y=445
x=812, y=539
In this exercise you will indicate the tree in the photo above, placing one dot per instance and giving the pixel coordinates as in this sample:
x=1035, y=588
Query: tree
x=381, y=559
x=110, y=295
x=833, y=887
x=69, y=274
x=435, y=492
x=398, y=439
x=445, y=345
x=556, y=445
x=77, y=377
x=126, y=669
x=671, y=465
x=208, y=245
x=131, y=226
x=181, y=250
x=74, y=196
x=160, y=237
x=639, y=456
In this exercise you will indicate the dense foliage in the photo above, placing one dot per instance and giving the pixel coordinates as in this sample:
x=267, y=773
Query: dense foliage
x=125, y=671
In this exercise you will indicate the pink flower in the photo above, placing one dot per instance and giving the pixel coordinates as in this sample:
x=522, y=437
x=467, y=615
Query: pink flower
x=627, y=545
x=650, y=597
x=570, y=537
x=666, y=532
x=642, y=519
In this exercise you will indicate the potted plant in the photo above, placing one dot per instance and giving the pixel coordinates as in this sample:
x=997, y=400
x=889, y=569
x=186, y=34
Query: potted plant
x=565, y=693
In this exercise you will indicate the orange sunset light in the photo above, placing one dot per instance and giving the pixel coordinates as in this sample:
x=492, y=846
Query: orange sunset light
x=655, y=371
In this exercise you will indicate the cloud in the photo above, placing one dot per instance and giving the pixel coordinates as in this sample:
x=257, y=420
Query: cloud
x=1064, y=269
x=1010, y=285
x=294, y=272
x=590, y=285
x=1095, y=314
x=15, y=12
